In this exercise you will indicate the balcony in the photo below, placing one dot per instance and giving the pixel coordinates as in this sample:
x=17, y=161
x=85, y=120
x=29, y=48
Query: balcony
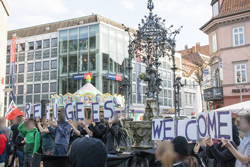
x=214, y=93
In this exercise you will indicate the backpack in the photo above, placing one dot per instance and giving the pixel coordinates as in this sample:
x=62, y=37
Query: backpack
x=40, y=150
x=122, y=140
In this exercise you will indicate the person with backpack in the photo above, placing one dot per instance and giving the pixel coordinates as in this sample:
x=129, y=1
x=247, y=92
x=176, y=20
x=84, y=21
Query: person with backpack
x=32, y=140
x=47, y=138
x=20, y=141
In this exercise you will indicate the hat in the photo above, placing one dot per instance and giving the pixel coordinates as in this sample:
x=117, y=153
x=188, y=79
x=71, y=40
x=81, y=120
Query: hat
x=88, y=152
x=181, y=145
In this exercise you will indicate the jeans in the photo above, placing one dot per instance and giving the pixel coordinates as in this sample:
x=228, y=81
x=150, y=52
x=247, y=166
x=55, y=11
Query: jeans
x=60, y=150
x=112, y=155
x=20, y=155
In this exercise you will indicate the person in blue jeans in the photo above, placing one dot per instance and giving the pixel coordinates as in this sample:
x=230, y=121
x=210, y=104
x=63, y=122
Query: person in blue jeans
x=61, y=131
x=20, y=144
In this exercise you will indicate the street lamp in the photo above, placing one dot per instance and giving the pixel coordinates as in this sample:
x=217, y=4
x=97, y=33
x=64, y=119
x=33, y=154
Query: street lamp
x=7, y=90
x=177, y=86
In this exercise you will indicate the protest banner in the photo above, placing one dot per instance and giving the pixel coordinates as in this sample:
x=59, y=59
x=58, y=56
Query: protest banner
x=27, y=110
x=80, y=111
x=108, y=109
x=55, y=112
x=47, y=111
x=95, y=112
x=217, y=124
x=69, y=111
x=37, y=111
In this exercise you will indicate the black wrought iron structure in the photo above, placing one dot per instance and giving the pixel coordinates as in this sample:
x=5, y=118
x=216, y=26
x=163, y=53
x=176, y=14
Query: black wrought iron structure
x=151, y=42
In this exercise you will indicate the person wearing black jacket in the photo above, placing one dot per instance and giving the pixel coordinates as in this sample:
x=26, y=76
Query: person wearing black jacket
x=20, y=145
x=221, y=155
x=236, y=137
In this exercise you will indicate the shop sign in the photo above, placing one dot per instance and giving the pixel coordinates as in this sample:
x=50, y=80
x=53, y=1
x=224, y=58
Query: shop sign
x=81, y=76
x=242, y=90
x=114, y=77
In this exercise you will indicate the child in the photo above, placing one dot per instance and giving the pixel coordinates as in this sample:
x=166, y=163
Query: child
x=243, y=153
x=32, y=140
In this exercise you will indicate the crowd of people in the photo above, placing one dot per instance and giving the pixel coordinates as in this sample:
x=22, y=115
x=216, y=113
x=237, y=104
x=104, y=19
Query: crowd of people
x=80, y=139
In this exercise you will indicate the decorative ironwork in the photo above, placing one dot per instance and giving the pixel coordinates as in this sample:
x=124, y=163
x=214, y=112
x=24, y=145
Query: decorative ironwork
x=152, y=42
x=214, y=93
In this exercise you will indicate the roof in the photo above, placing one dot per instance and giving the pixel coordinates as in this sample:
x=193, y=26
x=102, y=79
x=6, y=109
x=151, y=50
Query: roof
x=194, y=58
x=190, y=67
x=213, y=2
x=40, y=29
x=229, y=8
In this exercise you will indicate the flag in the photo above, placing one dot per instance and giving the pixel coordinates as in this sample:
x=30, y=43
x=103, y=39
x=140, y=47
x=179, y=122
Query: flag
x=12, y=67
x=13, y=111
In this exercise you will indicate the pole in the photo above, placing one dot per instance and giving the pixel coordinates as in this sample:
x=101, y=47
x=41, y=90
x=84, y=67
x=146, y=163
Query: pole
x=241, y=95
x=7, y=102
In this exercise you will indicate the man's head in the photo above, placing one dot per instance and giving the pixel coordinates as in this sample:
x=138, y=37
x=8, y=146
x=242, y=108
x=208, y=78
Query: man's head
x=245, y=124
x=116, y=118
x=2, y=122
x=180, y=148
x=17, y=120
x=234, y=120
x=62, y=115
x=93, y=149
x=30, y=124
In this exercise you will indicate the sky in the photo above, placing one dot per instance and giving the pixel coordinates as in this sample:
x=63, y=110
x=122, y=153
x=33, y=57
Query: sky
x=191, y=14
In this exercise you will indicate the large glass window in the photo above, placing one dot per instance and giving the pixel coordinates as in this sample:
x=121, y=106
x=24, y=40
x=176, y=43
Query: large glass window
x=20, y=89
x=121, y=67
x=73, y=35
x=21, y=47
x=7, y=79
x=54, y=64
x=29, y=89
x=83, y=62
x=8, y=59
x=105, y=37
x=7, y=69
x=53, y=87
x=93, y=36
x=105, y=84
x=19, y=99
x=214, y=43
x=37, y=76
x=92, y=62
x=29, y=98
x=45, y=87
x=53, y=75
x=54, y=42
x=46, y=43
x=38, y=55
x=63, y=86
x=72, y=63
x=37, y=98
x=120, y=46
x=105, y=60
x=37, y=88
x=63, y=64
x=72, y=85
x=20, y=78
x=21, y=68
x=112, y=40
x=38, y=66
x=241, y=73
x=30, y=56
x=46, y=53
x=39, y=44
x=83, y=38
x=45, y=76
x=54, y=52
x=238, y=36
x=31, y=46
x=63, y=37
x=111, y=64
x=45, y=65
x=29, y=77
x=30, y=67
x=45, y=96
x=21, y=57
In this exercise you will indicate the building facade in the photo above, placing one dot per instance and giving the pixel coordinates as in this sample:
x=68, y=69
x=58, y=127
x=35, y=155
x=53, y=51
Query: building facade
x=229, y=40
x=4, y=13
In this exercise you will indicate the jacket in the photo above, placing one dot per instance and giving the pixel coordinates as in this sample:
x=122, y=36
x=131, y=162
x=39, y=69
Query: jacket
x=19, y=143
x=236, y=137
x=3, y=146
x=32, y=143
x=222, y=155
x=61, y=133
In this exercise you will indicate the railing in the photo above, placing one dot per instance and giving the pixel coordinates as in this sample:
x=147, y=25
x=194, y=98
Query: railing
x=214, y=93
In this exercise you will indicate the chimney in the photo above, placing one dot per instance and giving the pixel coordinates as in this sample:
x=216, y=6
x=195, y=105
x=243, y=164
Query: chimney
x=186, y=47
x=197, y=47
x=193, y=49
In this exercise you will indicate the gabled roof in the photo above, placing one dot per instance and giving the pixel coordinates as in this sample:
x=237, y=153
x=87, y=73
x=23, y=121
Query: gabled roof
x=230, y=8
x=40, y=29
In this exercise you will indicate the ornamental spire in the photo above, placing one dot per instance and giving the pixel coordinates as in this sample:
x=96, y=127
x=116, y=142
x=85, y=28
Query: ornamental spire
x=150, y=6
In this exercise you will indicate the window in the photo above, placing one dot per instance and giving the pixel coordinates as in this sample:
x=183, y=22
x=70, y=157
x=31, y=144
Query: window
x=215, y=9
x=54, y=42
x=38, y=66
x=20, y=78
x=190, y=99
x=21, y=57
x=37, y=88
x=20, y=89
x=38, y=44
x=21, y=47
x=31, y=45
x=105, y=60
x=186, y=98
x=19, y=99
x=21, y=68
x=45, y=87
x=8, y=49
x=53, y=75
x=29, y=89
x=7, y=69
x=238, y=36
x=45, y=76
x=52, y=87
x=54, y=64
x=45, y=65
x=30, y=56
x=29, y=77
x=240, y=73
x=38, y=55
x=214, y=43
x=37, y=98
x=46, y=53
x=46, y=43
x=37, y=76
x=30, y=67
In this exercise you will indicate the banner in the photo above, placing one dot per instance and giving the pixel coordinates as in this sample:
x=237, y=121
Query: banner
x=13, y=111
x=12, y=67
x=217, y=124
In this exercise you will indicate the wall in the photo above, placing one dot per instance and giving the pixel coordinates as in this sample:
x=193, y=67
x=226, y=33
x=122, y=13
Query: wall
x=3, y=43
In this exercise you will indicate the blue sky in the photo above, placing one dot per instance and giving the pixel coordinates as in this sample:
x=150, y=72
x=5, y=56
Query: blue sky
x=191, y=14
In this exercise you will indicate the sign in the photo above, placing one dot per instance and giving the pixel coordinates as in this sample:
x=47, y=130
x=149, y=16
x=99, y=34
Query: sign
x=28, y=110
x=114, y=77
x=37, y=111
x=217, y=124
x=206, y=71
x=108, y=109
x=81, y=76
x=242, y=90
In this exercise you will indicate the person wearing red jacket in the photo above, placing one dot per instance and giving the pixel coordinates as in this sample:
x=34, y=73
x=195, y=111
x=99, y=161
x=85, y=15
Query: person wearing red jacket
x=3, y=144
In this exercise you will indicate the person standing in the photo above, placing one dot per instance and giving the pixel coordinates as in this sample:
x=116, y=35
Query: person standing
x=236, y=137
x=20, y=146
x=243, y=152
x=47, y=138
x=61, y=133
x=3, y=146
x=32, y=140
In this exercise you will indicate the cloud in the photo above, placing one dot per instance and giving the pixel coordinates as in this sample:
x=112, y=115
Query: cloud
x=128, y=5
